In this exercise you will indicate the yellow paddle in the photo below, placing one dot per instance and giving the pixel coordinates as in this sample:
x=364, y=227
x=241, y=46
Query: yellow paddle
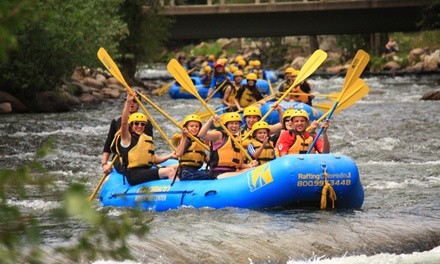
x=355, y=70
x=358, y=90
x=212, y=95
x=101, y=181
x=179, y=73
x=317, y=58
x=111, y=66
x=164, y=88
x=155, y=106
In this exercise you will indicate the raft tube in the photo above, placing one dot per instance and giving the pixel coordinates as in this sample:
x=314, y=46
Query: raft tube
x=288, y=181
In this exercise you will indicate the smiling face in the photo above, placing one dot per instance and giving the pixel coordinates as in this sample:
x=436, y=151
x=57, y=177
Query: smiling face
x=251, y=120
x=138, y=127
x=193, y=127
x=261, y=134
x=233, y=127
x=300, y=123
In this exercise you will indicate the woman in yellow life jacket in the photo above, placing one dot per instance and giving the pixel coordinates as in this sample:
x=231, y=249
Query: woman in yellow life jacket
x=225, y=158
x=231, y=91
x=298, y=140
x=136, y=150
x=248, y=93
x=300, y=93
x=191, y=154
x=260, y=147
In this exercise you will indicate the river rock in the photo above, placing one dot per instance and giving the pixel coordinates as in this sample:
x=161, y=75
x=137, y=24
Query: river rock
x=112, y=80
x=16, y=105
x=89, y=81
x=50, y=102
x=432, y=62
x=431, y=95
x=5, y=108
x=391, y=66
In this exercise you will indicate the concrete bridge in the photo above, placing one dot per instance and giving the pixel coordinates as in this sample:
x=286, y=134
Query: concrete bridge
x=277, y=18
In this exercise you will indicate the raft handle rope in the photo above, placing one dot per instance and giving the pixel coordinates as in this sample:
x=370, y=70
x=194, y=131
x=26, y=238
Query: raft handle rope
x=327, y=189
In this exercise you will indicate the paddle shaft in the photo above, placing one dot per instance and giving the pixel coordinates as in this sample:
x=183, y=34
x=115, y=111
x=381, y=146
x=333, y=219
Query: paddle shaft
x=183, y=78
x=317, y=58
x=155, y=106
x=355, y=70
x=101, y=181
x=212, y=95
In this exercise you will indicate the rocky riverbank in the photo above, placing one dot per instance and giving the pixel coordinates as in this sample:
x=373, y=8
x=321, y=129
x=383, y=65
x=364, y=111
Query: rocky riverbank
x=89, y=87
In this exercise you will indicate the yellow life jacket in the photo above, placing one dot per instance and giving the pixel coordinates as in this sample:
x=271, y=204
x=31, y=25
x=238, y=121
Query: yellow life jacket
x=227, y=155
x=193, y=156
x=246, y=98
x=301, y=145
x=268, y=152
x=232, y=94
x=140, y=152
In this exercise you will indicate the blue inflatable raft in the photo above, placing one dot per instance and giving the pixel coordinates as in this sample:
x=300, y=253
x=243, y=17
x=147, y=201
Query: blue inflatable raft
x=291, y=180
x=177, y=92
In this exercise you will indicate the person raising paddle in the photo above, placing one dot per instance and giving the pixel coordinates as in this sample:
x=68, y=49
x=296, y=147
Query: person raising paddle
x=136, y=150
x=298, y=140
x=114, y=127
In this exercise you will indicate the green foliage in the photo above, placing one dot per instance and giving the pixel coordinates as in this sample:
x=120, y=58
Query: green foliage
x=57, y=37
x=208, y=48
x=148, y=31
x=350, y=44
x=94, y=234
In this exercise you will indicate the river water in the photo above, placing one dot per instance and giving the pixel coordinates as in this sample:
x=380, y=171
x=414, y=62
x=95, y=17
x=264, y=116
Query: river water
x=393, y=137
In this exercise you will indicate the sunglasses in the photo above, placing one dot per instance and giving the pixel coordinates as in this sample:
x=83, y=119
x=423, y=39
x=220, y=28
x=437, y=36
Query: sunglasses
x=139, y=123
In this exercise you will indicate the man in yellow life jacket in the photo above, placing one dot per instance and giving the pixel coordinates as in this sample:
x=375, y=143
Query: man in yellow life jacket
x=300, y=93
x=298, y=140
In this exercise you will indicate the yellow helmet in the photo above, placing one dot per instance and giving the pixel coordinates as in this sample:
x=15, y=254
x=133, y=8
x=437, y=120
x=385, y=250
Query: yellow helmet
x=251, y=77
x=238, y=58
x=292, y=71
x=260, y=125
x=207, y=69
x=242, y=62
x=238, y=73
x=257, y=63
x=192, y=117
x=288, y=113
x=137, y=116
x=300, y=112
x=211, y=57
x=252, y=111
x=233, y=68
x=231, y=117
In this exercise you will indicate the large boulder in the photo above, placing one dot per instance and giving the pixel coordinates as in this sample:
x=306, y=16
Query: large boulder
x=16, y=105
x=49, y=102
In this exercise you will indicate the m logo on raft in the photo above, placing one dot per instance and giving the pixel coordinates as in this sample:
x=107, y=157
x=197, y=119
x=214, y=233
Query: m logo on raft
x=259, y=177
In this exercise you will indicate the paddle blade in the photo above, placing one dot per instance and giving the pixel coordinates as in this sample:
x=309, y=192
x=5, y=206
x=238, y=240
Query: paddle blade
x=317, y=58
x=179, y=73
x=355, y=70
x=164, y=89
x=110, y=65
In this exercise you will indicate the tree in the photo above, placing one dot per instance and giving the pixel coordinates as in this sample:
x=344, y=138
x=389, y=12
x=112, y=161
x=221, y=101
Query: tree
x=148, y=31
x=55, y=39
